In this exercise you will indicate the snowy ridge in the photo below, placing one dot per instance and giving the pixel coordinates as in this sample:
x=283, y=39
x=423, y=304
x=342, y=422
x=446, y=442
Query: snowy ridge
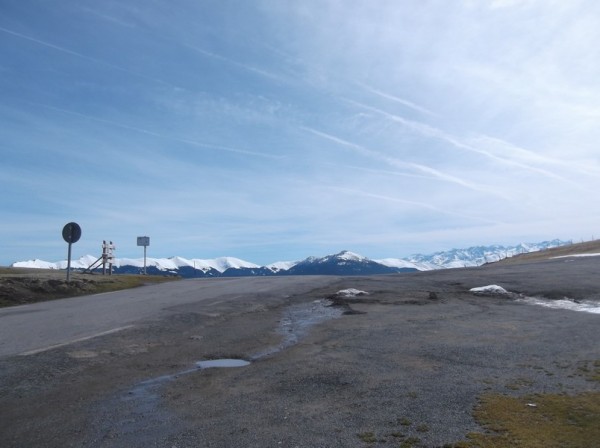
x=348, y=256
x=342, y=263
x=472, y=256
x=400, y=263
x=162, y=264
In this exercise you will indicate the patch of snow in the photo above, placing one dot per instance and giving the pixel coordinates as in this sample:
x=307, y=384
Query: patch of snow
x=489, y=289
x=578, y=255
x=352, y=292
x=400, y=263
x=586, y=306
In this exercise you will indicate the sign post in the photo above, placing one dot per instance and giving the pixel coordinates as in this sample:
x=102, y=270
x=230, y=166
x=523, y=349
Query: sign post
x=144, y=241
x=71, y=233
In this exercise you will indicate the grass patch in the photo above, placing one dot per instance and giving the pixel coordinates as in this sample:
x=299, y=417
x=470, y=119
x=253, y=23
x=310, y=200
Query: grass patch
x=411, y=442
x=423, y=428
x=404, y=421
x=21, y=286
x=519, y=383
x=367, y=437
x=590, y=370
x=554, y=421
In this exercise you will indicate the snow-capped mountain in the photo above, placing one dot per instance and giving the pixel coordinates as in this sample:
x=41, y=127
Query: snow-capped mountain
x=343, y=263
x=479, y=255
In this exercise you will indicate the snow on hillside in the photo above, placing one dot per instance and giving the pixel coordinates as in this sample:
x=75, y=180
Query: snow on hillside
x=223, y=263
x=34, y=264
x=80, y=263
x=349, y=256
x=163, y=264
x=578, y=256
x=479, y=255
x=281, y=266
x=401, y=264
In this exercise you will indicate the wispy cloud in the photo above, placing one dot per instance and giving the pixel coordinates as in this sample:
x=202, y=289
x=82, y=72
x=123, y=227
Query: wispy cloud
x=164, y=136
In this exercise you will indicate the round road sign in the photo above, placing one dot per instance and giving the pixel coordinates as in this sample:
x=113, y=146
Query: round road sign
x=71, y=232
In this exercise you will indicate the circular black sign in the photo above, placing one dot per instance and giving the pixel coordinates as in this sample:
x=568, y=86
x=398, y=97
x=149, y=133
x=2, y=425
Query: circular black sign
x=71, y=232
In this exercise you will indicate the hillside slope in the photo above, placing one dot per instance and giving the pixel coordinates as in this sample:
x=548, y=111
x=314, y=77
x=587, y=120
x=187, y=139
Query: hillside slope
x=589, y=247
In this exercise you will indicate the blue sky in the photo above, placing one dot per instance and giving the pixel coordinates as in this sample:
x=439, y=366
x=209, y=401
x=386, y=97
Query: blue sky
x=274, y=130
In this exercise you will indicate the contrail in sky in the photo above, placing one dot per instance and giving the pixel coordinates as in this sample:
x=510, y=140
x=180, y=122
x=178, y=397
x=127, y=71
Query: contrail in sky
x=534, y=157
x=430, y=131
x=87, y=58
x=236, y=63
x=402, y=101
x=400, y=164
x=415, y=203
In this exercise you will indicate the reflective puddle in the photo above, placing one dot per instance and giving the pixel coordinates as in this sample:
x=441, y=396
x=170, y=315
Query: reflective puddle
x=222, y=363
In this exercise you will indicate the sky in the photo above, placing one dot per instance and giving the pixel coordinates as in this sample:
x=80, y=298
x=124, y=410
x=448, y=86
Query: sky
x=274, y=130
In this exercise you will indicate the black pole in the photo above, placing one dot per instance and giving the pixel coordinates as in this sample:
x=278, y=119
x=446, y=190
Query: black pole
x=69, y=264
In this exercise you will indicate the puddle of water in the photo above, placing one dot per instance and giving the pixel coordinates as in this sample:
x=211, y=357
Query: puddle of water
x=222, y=363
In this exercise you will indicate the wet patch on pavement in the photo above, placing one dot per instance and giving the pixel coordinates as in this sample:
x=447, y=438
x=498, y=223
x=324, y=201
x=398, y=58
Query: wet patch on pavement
x=137, y=418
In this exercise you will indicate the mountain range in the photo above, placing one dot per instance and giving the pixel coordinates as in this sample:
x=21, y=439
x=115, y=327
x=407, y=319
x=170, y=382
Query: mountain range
x=343, y=263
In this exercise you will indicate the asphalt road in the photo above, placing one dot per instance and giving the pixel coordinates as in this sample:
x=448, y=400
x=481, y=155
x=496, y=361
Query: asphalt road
x=30, y=329
x=410, y=364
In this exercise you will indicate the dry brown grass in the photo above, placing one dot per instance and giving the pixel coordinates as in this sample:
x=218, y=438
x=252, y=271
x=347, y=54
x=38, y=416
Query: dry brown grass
x=589, y=247
x=537, y=421
x=20, y=286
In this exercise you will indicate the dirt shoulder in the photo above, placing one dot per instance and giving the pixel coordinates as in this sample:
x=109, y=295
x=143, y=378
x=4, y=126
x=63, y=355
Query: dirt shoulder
x=407, y=367
x=19, y=286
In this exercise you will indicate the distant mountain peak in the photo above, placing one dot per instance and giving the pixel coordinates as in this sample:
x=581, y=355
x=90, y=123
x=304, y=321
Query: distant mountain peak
x=347, y=255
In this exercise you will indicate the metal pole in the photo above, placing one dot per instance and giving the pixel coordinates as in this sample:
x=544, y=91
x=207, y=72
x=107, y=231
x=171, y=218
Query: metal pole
x=104, y=257
x=144, y=260
x=69, y=265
